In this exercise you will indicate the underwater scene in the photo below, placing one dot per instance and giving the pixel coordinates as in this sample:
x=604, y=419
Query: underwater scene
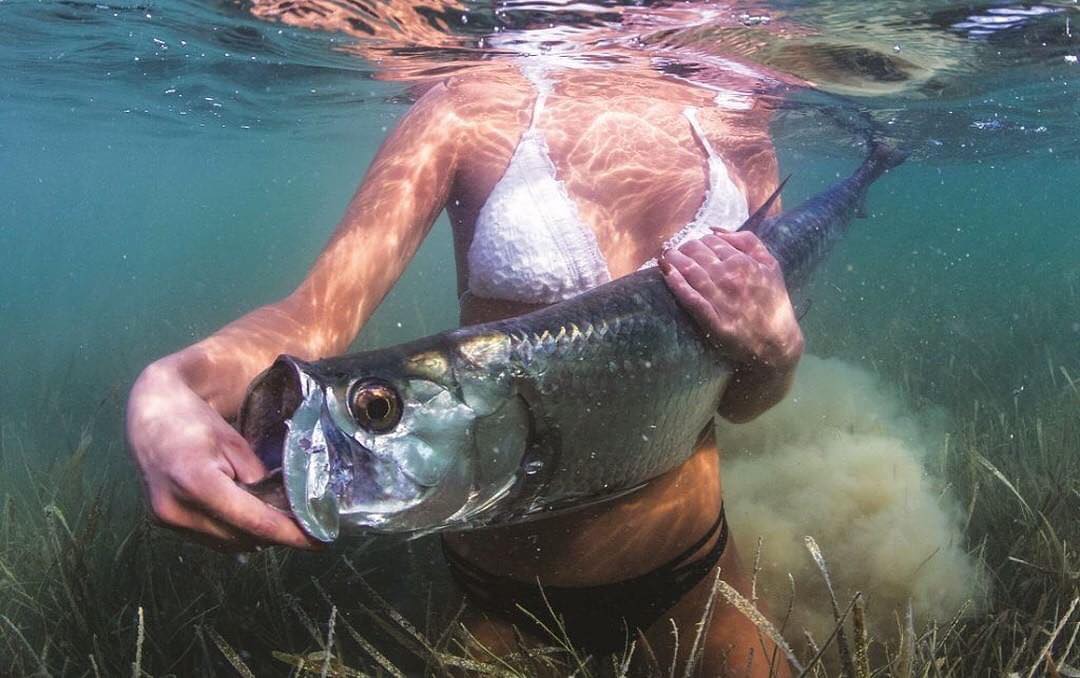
x=618, y=338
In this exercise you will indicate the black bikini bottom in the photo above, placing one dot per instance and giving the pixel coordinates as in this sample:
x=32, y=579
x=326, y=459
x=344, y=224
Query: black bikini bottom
x=598, y=619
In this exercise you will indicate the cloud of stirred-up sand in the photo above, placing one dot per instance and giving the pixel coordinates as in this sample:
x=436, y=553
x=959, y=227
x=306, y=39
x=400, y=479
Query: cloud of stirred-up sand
x=844, y=461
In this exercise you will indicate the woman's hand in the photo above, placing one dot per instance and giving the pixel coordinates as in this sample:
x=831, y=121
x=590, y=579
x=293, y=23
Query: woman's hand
x=734, y=289
x=191, y=461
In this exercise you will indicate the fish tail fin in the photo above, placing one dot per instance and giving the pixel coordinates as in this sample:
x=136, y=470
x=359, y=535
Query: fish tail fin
x=754, y=221
x=883, y=157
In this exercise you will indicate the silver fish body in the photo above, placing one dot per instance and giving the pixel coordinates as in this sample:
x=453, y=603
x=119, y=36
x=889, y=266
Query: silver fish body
x=496, y=423
x=618, y=387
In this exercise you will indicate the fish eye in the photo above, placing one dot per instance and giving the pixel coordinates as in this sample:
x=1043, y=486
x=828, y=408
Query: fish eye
x=375, y=405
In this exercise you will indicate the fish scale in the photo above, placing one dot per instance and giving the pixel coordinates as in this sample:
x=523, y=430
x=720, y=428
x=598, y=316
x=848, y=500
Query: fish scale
x=650, y=352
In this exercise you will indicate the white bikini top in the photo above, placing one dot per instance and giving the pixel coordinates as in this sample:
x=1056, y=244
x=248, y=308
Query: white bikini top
x=530, y=244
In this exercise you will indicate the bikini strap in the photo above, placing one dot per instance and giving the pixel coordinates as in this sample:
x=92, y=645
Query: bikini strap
x=719, y=530
x=724, y=205
x=537, y=75
x=695, y=127
x=681, y=565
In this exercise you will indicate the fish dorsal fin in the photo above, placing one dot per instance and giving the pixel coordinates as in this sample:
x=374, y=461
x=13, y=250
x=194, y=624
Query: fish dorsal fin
x=753, y=222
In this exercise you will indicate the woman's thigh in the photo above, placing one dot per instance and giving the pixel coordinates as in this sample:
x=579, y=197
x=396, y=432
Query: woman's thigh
x=729, y=645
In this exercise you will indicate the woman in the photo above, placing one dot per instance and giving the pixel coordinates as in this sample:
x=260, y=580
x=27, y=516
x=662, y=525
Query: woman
x=555, y=179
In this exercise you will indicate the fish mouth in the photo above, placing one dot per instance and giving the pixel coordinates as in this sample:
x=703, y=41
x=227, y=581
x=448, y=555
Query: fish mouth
x=295, y=424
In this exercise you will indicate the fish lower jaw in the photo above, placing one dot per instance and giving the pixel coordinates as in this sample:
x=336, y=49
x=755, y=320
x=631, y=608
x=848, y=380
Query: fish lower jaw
x=377, y=516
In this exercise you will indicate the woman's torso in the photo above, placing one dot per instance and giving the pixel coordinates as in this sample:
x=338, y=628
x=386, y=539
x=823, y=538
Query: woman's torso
x=628, y=159
x=636, y=172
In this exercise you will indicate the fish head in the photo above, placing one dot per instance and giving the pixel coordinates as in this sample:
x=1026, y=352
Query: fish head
x=381, y=441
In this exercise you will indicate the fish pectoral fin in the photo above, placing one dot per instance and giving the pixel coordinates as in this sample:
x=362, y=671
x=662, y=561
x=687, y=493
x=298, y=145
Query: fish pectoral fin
x=754, y=221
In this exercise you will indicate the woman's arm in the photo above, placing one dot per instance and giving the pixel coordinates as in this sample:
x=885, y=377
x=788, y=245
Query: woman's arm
x=190, y=459
x=388, y=217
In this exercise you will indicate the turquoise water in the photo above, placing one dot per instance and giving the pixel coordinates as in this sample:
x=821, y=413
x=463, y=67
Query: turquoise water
x=127, y=242
x=165, y=167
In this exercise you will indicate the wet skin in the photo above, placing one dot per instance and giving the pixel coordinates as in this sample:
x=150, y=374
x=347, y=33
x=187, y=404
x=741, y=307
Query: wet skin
x=637, y=175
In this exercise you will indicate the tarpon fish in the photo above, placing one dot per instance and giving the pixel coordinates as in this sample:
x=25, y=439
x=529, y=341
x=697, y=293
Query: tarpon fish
x=501, y=422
